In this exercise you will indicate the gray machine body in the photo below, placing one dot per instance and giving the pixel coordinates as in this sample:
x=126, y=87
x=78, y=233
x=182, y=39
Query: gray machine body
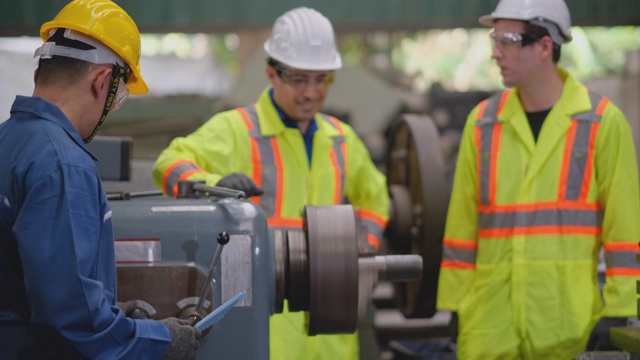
x=184, y=233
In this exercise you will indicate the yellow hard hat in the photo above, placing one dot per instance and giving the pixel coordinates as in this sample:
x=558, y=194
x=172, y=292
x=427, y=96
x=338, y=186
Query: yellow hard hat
x=109, y=24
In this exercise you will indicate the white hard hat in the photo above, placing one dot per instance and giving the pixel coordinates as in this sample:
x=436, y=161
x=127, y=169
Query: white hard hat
x=303, y=38
x=545, y=13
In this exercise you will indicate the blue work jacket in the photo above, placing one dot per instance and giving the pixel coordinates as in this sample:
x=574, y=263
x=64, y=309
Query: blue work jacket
x=57, y=263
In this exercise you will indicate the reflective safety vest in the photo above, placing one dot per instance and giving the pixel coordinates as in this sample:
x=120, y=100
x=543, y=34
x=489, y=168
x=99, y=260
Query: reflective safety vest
x=526, y=222
x=254, y=141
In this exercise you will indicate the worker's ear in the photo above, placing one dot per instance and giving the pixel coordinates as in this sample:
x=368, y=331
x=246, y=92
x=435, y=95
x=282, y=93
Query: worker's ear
x=271, y=74
x=547, y=47
x=100, y=80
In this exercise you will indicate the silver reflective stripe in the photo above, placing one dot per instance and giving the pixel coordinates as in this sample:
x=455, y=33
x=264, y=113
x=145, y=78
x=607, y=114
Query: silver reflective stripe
x=621, y=259
x=548, y=217
x=267, y=160
x=487, y=124
x=458, y=254
x=137, y=251
x=175, y=174
x=337, y=149
x=580, y=149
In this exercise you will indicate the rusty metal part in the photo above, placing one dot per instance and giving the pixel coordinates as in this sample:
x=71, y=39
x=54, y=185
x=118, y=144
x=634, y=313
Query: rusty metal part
x=333, y=269
x=415, y=163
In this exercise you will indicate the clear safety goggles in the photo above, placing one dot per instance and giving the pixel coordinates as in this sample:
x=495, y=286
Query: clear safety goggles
x=511, y=40
x=301, y=82
x=120, y=77
x=122, y=94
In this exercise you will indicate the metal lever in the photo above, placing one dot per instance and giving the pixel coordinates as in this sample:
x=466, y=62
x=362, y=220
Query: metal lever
x=193, y=189
x=223, y=239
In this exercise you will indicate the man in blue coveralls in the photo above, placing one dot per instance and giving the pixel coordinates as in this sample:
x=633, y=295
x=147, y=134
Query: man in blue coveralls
x=57, y=266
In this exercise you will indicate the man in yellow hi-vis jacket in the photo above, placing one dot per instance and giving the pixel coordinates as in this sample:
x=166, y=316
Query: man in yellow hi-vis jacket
x=546, y=177
x=286, y=149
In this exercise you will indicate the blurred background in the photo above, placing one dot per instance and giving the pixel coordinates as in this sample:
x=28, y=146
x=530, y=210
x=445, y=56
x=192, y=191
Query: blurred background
x=425, y=57
x=403, y=56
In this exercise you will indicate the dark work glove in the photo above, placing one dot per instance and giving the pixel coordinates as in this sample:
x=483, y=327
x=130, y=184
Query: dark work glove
x=240, y=182
x=184, y=339
x=600, y=340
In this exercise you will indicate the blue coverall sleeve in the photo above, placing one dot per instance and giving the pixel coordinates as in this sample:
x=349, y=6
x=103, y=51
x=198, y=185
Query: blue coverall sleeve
x=65, y=241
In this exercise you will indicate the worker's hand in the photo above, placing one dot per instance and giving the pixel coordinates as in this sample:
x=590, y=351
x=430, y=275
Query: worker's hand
x=240, y=182
x=184, y=339
x=600, y=340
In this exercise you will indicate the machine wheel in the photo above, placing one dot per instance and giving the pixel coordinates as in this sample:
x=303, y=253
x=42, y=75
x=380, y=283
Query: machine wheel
x=333, y=269
x=419, y=199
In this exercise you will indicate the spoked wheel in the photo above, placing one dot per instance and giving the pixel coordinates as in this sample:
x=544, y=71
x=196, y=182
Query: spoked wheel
x=419, y=199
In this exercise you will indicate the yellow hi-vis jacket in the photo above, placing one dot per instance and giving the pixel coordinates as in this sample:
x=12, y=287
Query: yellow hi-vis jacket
x=526, y=223
x=254, y=141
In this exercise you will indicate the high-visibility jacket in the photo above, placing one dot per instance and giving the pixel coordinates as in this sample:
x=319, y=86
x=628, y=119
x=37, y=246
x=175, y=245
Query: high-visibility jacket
x=527, y=220
x=254, y=141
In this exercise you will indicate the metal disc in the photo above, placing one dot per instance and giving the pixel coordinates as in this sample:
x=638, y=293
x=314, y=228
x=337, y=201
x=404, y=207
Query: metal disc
x=333, y=269
x=297, y=288
x=416, y=163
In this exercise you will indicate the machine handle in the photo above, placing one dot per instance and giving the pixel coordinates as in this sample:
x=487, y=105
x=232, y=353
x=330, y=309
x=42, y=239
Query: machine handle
x=223, y=239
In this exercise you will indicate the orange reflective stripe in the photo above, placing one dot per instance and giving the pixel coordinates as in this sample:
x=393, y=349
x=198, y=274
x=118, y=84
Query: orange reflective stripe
x=284, y=223
x=493, y=168
x=277, y=158
x=602, y=106
x=488, y=136
x=184, y=176
x=169, y=173
x=568, y=151
x=540, y=230
x=503, y=100
x=623, y=272
x=453, y=264
x=257, y=167
x=337, y=172
x=621, y=246
x=246, y=118
x=371, y=216
x=481, y=107
x=372, y=240
x=337, y=124
x=460, y=244
x=586, y=183
x=545, y=205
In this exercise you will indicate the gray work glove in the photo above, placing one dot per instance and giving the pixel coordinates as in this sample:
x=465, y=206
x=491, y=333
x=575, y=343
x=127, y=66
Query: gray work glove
x=240, y=182
x=184, y=339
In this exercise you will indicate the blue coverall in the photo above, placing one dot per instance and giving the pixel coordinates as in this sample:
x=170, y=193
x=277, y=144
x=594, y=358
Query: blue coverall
x=57, y=266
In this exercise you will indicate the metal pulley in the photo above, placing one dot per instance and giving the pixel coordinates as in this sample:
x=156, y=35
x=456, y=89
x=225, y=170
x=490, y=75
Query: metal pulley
x=319, y=270
x=419, y=198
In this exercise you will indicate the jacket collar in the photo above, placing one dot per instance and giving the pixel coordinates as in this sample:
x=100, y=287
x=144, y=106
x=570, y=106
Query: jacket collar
x=36, y=107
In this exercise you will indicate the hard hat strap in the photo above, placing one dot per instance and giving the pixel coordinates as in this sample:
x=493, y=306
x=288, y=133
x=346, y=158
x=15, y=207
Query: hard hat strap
x=99, y=54
x=554, y=31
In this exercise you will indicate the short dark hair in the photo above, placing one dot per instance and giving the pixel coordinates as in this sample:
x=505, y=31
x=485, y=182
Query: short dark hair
x=61, y=71
x=540, y=32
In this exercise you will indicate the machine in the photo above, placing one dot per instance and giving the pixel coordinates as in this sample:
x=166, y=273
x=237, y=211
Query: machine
x=184, y=257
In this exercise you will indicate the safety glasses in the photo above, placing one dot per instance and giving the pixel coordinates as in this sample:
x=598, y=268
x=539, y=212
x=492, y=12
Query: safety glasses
x=511, y=40
x=301, y=82
x=122, y=91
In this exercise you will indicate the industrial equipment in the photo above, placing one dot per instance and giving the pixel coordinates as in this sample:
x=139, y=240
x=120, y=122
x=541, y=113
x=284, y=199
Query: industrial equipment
x=186, y=256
